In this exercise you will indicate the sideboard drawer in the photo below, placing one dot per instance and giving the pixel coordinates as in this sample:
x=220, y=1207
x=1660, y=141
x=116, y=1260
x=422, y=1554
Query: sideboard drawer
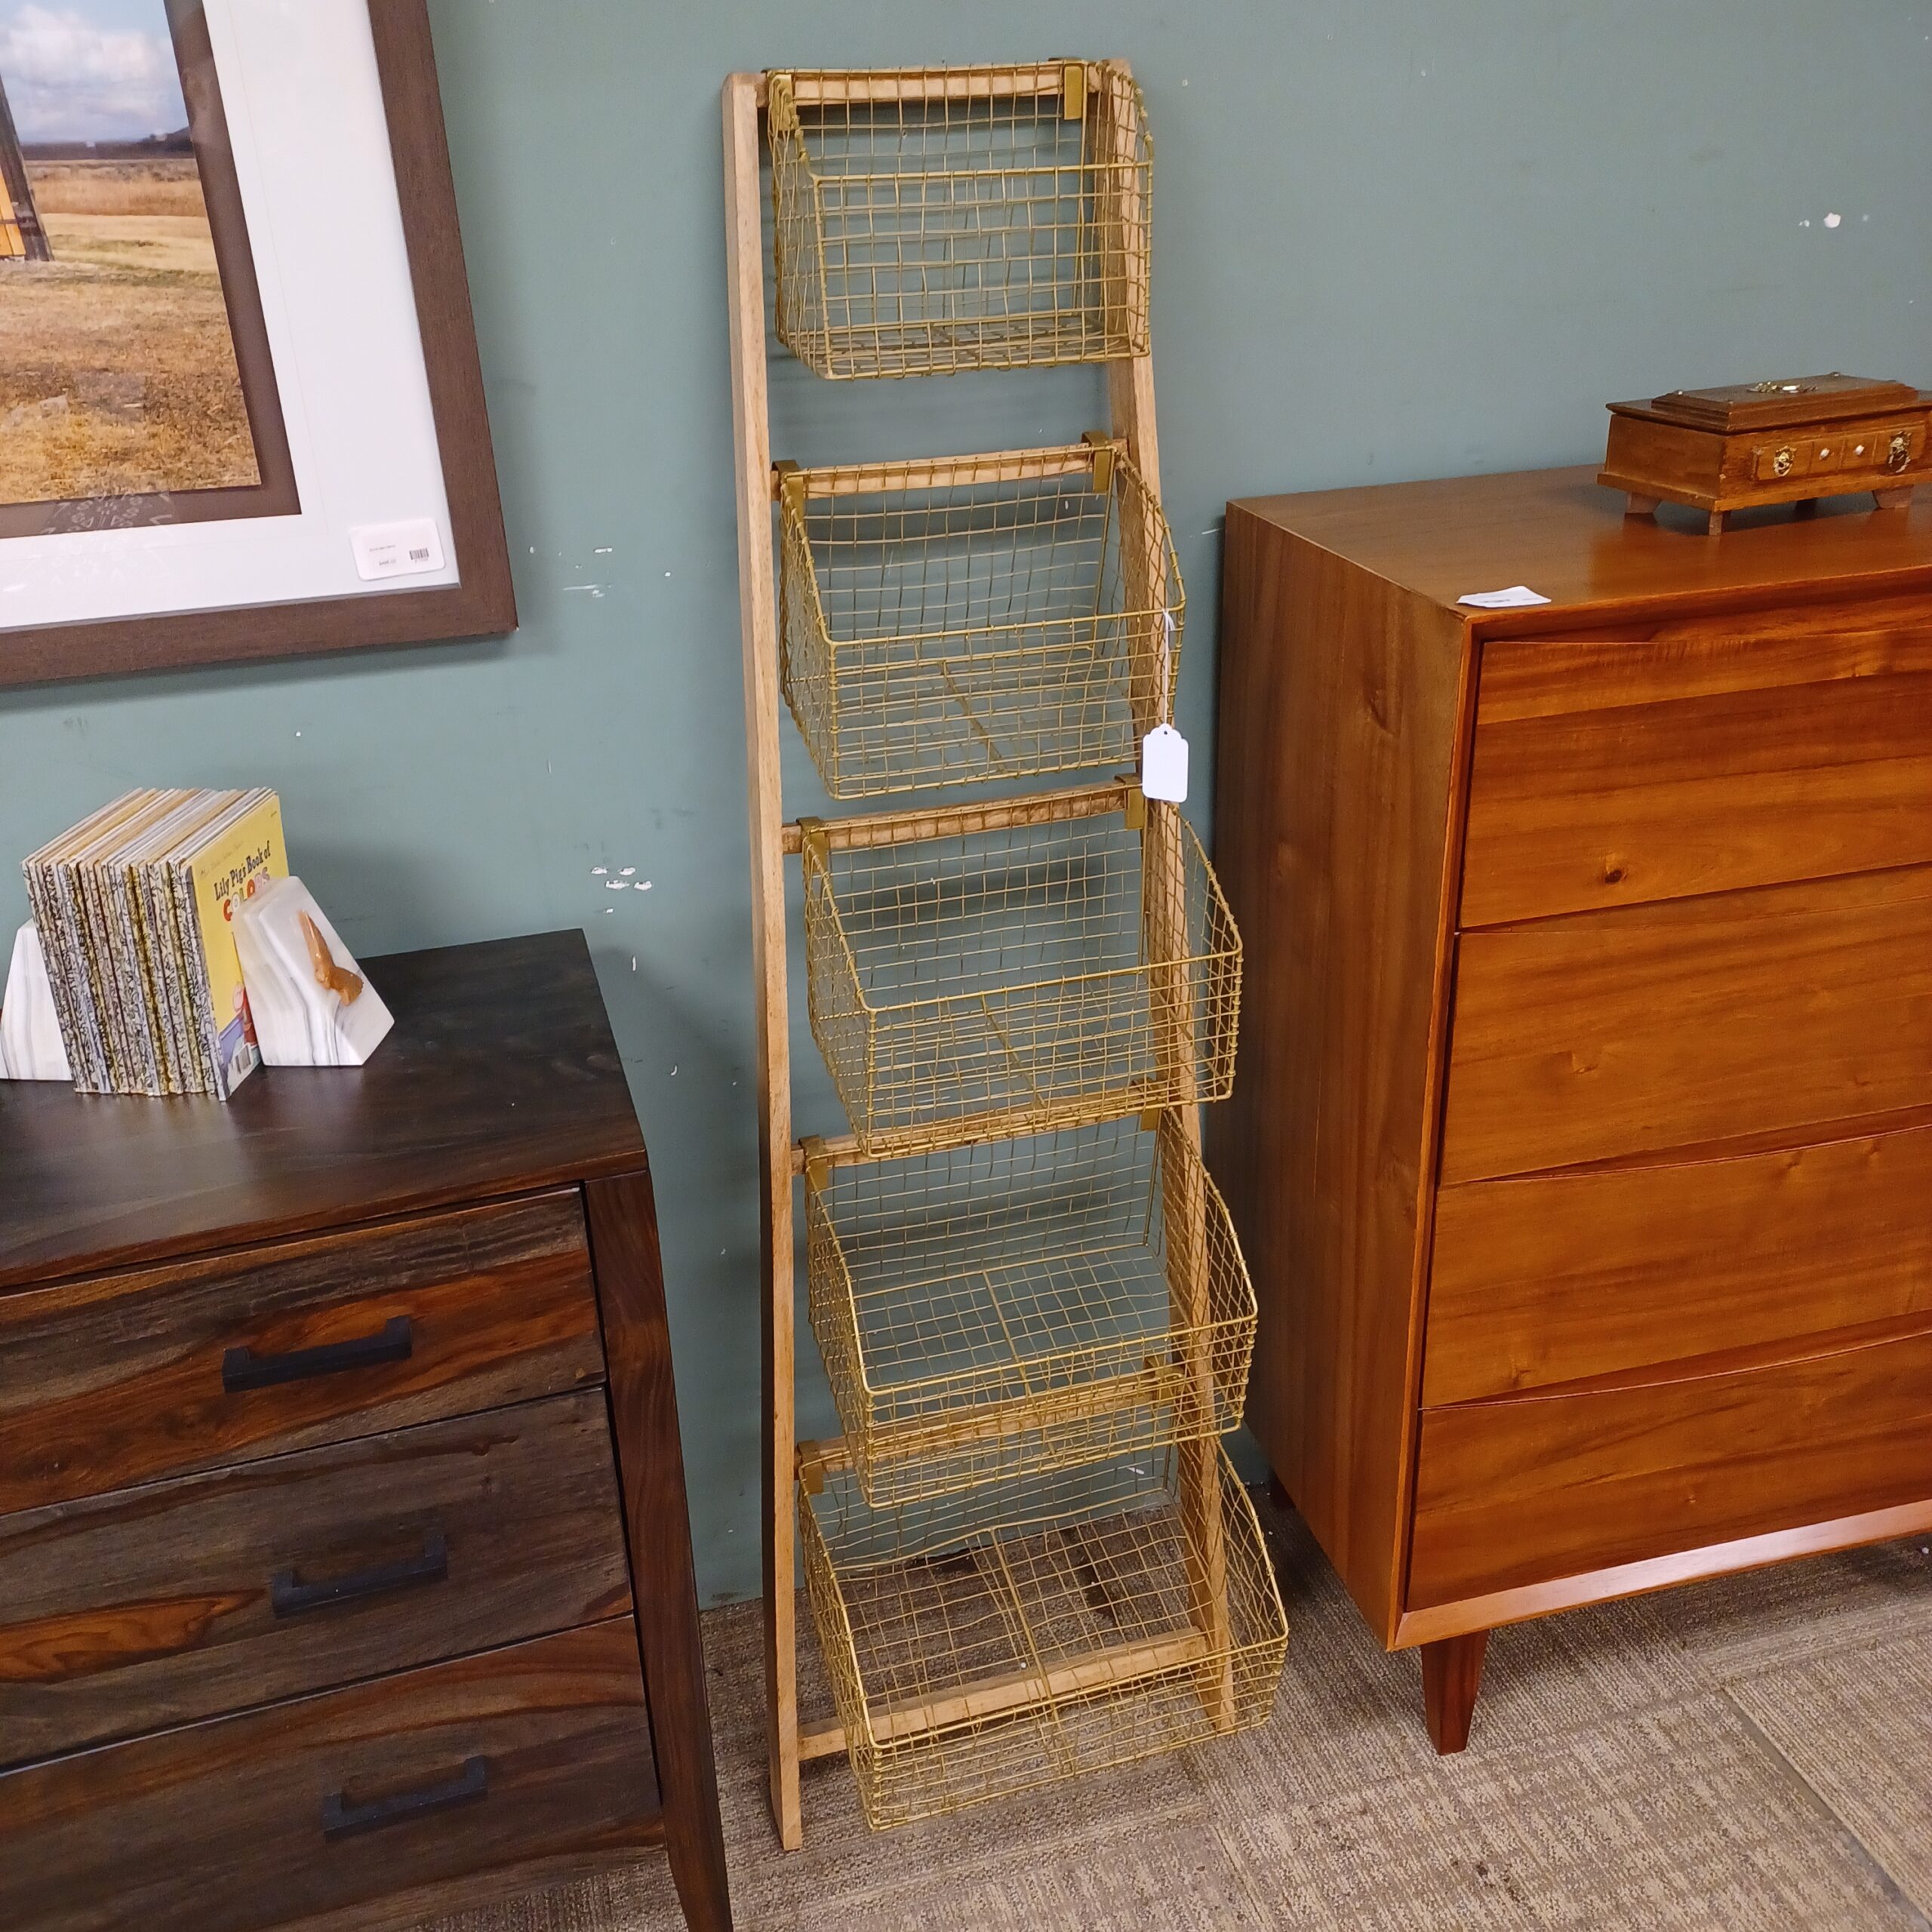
x=1535, y=1488
x=1607, y=1035
x=1559, y=1277
x=130, y=1377
x=162, y=1605
x=527, y=1765
x=1607, y=772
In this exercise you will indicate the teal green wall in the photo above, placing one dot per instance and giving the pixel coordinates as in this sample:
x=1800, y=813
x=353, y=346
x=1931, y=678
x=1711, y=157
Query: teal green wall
x=1392, y=238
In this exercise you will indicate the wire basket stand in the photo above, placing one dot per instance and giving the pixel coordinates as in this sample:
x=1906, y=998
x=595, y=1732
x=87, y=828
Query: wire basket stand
x=1025, y=1555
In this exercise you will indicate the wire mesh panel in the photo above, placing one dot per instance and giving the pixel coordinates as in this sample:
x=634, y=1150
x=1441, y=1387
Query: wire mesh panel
x=1033, y=1631
x=926, y=220
x=1026, y=1304
x=978, y=617
x=996, y=982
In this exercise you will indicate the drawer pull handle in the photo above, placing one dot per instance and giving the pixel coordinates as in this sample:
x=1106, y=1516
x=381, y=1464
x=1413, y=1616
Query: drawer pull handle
x=242, y=1368
x=289, y=1598
x=342, y=1820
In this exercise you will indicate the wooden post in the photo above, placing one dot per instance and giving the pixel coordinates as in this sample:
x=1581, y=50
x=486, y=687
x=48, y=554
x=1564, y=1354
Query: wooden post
x=744, y=266
x=20, y=221
x=1131, y=400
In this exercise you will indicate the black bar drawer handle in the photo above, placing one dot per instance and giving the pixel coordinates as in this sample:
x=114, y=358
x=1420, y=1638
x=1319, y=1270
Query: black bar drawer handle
x=342, y=1820
x=242, y=1368
x=289, y=1598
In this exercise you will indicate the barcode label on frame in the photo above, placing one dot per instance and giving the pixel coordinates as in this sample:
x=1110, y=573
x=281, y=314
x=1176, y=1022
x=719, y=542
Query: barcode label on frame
x=397, y=549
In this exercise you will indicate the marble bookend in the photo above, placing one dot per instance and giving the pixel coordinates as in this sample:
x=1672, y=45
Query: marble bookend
x=31, y=1048
x=310, y=1004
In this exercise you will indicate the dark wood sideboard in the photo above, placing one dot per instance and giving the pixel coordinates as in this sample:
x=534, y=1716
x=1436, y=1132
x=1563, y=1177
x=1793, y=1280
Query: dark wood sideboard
x=345, y=1571
x=1582, y=1141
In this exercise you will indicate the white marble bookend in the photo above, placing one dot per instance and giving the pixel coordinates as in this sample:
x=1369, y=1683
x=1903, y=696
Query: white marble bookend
x=31, y=1048
x=310, y=1004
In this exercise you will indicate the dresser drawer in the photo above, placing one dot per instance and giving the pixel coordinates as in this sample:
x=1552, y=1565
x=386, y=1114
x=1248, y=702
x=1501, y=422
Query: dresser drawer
x=364, y=1808
x=1606, y=1034
x=1607, y=772
x=1534, y=1488
x=1560, y=1277
x=158, y=1606
x=130, y=1377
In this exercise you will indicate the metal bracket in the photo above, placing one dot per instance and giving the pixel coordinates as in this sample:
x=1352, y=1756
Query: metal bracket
x=1103, y=446
x=813, y=843
x=1073, y=91
x=818, y=1162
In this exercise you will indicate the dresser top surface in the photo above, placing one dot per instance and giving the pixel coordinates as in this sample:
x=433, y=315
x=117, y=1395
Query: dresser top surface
x=1560, y=533
x=501, y=1075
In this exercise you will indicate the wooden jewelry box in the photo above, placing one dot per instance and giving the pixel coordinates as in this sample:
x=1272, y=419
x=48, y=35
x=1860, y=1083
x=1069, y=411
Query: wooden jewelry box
x=1722, y=449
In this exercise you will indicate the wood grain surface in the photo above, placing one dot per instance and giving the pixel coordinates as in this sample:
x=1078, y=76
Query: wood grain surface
x=1334, y=860
x=1559, y=532
x=120, y=1379
x=1560, y=1277
x=219, y=1827
x=623, y=1215
x=1608, y=773
x=1611, y=1034
x=1514, y=1492
x=153, y=1607
x=500, y=1078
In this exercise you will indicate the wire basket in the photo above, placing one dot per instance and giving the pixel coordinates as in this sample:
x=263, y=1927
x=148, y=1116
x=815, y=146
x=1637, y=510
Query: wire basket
x=1056, y=968
x=926, y=220
x=977, y=617
x=995, y=1643
x=1026, y=1306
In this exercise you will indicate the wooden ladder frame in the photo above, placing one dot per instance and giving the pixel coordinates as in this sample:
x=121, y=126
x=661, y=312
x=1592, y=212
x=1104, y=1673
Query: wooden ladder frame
x=781, y=1158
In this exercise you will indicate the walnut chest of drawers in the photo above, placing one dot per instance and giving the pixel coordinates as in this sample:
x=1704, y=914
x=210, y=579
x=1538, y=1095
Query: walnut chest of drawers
x=1582, y=1142
x=345, y=1574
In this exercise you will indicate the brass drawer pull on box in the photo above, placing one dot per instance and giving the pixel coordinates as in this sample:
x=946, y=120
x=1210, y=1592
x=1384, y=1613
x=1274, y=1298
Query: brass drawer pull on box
x=287, y=1597
x=242, y=1369
x=341, y=1819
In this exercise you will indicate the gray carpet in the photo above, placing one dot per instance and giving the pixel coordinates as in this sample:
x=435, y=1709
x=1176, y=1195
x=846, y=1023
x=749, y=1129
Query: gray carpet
x=1755, y=1753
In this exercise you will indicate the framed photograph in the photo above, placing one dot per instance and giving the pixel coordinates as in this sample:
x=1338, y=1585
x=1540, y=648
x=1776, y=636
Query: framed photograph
x=241, y=413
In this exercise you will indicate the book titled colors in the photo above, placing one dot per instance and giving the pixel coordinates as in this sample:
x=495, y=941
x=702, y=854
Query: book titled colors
x=135, y=906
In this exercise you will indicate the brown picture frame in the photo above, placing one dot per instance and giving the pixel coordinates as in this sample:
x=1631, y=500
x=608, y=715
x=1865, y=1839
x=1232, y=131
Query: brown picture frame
x=484, y=603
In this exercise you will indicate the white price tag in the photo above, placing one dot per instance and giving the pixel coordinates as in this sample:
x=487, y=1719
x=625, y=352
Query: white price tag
x=1163, y=764
x=1517, y=597
x=397, y=549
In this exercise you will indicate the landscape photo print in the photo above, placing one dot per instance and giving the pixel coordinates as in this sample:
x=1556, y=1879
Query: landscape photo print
x=136, y=385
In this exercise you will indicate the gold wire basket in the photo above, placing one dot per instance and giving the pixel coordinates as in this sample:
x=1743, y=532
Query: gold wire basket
x=926, y=220
x=1026, y=1306
x=1055, y=967
x=975, y=617
x=1040, y=1630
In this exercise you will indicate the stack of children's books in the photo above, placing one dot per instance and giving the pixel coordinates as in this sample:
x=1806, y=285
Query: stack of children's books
x=133, y=906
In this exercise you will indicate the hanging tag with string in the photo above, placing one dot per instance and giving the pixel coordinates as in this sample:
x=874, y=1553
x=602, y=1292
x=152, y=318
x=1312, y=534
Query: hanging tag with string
x=1164, y=751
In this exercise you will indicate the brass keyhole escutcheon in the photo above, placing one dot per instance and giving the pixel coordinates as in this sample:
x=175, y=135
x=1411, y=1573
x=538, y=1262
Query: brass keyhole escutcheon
x=1899, y=454
x=1781, y=463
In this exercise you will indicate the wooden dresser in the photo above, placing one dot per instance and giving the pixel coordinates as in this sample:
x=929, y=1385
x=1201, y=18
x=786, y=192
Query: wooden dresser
x=1582, y=1141
x=345, y=1574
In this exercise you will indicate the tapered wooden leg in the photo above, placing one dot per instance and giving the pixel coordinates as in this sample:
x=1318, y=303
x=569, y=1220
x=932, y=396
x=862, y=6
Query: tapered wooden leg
x=1637, y=504
x=1451, y=1675
x=1715, y=528
x=1894, y=500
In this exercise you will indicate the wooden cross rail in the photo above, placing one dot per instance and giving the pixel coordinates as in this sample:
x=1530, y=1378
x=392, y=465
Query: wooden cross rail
x=874, y=830
x=811, y=90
